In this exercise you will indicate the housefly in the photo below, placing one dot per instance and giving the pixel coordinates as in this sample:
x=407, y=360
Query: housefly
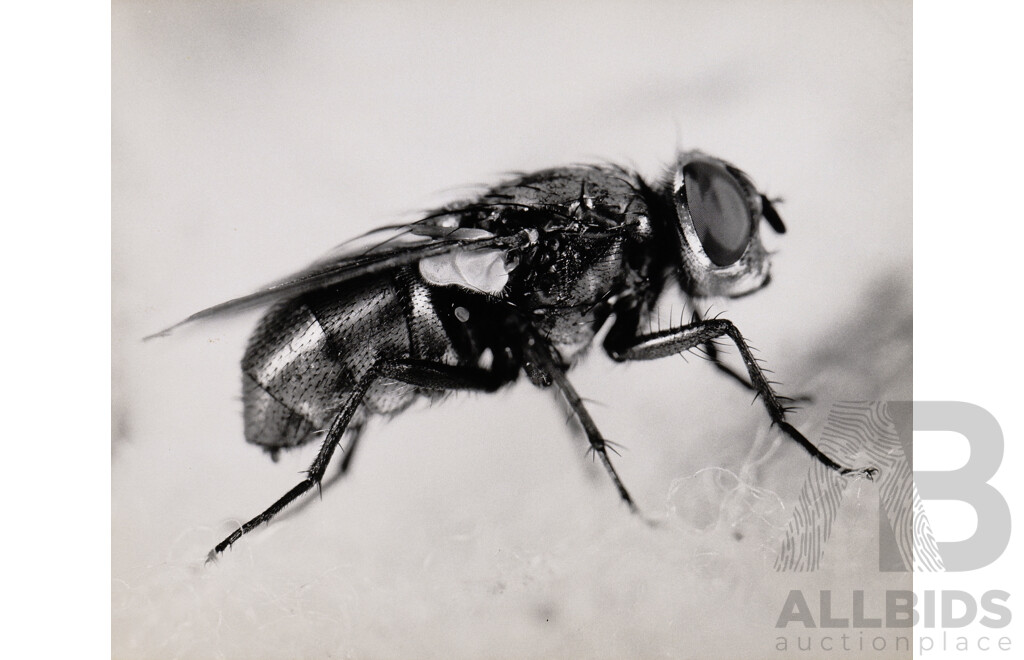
x=519, y=279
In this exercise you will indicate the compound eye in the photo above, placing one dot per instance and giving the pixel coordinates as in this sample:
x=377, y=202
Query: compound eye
x=719, y=210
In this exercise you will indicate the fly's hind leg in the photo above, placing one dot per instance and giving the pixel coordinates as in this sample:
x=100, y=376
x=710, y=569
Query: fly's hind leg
x=621, y=347
x=316, y=471
x=431, y=376
x=420, y=373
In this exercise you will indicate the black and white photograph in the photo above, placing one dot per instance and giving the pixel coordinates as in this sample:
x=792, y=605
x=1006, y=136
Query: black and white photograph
x=536, y=330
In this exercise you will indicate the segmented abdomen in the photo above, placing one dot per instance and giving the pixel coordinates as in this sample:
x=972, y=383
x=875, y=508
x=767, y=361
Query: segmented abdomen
x=306, y=356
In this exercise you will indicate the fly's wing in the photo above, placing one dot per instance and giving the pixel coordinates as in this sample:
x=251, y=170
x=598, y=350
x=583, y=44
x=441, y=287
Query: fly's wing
x=438, y=248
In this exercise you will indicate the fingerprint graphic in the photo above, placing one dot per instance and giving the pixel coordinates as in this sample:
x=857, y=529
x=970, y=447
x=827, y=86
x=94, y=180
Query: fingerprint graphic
x=860, y=433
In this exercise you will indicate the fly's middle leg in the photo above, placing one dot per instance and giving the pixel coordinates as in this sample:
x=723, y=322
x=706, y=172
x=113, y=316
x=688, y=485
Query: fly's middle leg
x=671, y=342
x=420, y=373
x=542, y=360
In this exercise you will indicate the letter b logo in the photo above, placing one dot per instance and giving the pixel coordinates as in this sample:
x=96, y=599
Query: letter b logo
x=884, y=432
x=968, y=484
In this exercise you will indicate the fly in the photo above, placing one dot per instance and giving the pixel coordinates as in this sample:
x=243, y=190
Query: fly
x=518, y=280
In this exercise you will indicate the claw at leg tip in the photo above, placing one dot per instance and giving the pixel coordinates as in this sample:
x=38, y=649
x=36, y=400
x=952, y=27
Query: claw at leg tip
x=868, y=473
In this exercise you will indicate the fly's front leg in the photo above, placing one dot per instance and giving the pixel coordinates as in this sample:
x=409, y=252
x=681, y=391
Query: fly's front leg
x=539, y=354
x=671, y=342
x=711, y=350
x=419, y=373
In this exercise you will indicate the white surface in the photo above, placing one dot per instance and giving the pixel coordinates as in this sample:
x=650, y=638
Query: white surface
x=965, y=249
x=248, y=140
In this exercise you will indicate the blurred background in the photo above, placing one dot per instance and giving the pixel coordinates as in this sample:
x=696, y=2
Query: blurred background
x=249, y=138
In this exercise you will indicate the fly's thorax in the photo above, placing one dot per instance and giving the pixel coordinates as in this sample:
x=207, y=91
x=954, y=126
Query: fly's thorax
x=569, y=289
x=718, y=214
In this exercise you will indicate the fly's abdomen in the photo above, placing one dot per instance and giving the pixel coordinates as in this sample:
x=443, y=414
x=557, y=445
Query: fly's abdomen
x=290, y=378
x=306, y=357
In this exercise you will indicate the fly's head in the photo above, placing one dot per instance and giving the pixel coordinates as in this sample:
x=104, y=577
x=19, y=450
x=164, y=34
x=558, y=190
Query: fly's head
x=718, y=218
